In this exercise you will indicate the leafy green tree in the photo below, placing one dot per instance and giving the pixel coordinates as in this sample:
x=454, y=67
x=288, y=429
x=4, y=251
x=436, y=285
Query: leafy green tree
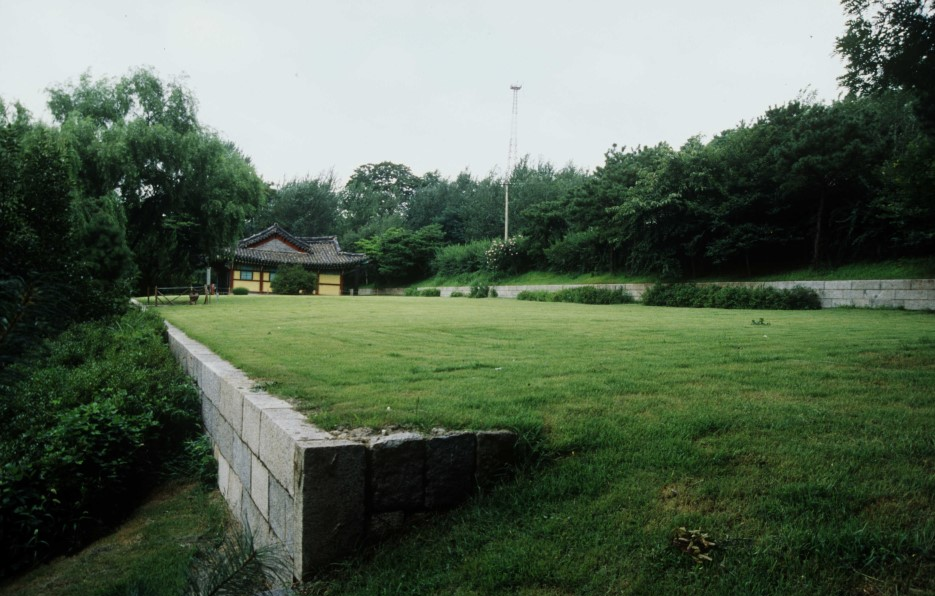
x=304, y=206
x=377, y=191
x=401, y=256
x=890, y=44
x=65, y=258
x=185, y=191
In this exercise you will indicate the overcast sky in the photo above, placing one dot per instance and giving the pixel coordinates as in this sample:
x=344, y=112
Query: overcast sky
x=304, y=87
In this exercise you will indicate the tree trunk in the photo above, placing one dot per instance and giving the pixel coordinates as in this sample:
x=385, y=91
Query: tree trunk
x=816, y=250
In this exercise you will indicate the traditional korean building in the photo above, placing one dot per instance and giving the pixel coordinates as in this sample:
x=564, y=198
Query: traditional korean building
x=258, y=257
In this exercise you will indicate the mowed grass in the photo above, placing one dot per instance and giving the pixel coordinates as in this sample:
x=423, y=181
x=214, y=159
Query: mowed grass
x=804, y=448
x=149, y=555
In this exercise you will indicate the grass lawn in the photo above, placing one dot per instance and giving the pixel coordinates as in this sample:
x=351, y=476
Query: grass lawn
x=805, y=448
x=148, y=555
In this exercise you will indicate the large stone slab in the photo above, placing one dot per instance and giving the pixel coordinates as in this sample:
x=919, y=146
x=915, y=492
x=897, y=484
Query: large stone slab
x=449, y=470
x=332, y=513
x=397, y=469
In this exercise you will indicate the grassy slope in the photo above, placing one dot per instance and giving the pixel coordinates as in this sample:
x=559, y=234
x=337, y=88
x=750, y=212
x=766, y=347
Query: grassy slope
x=917, y=268
x=804, y=448
x=148, y=555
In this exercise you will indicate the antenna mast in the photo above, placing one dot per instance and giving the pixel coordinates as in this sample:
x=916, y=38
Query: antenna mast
x=510, y=158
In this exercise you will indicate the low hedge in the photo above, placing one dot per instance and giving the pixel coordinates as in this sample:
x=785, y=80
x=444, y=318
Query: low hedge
x=580, y=295
x=424, y=292
x=714, y=296
x=88, y=428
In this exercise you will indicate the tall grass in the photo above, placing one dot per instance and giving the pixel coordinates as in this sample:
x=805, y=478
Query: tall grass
x=804, y=448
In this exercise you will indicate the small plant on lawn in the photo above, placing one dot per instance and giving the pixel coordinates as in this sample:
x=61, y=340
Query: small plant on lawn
x=694, y=543
x=240, y=291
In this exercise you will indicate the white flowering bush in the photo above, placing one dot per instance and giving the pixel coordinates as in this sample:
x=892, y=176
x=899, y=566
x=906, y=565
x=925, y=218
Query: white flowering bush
x=506, y=256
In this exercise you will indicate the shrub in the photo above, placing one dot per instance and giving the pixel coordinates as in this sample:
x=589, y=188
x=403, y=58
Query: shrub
x=294, y=279
x=482, y=291
x=240, y=291
x=713, y=296
x=592, y=295
x=87, y=429
x=457, y=294
x=424, y=292
x=578, y=252
x=458, y=259
x=582, y=295
x=535, y=295
x=507, y=257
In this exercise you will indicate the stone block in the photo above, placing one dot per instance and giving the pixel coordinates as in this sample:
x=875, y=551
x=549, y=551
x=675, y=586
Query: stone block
x=332, y=512
x=908, y=295
x=838, y=285
x=922, y=284
x=254, y=403
x=208, y=379
x=234, y=495
x=397, y=464
x=918, y=304
x=220, y=431
x=223, y=473
x=894, y=284
x=866, y=284
x=259, y=486
x=230, y=402
x=280, y=430
x=281, y=513
x=242, y=463
x=449, y=469
x=496, y=456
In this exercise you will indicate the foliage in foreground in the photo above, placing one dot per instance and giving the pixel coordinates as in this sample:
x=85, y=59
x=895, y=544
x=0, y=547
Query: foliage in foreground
x=87, y=429
x=714, y=296
x=582, y=295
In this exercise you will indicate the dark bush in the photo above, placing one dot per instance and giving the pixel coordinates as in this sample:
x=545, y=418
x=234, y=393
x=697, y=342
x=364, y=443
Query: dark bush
x=424, y=292
x=482, y=291
x=240, y=291
x=536, y=295
x=581, y=295
x=458, y=259
x=714, y=296
x=86, y=431
x=592, y=295
x=294, y=279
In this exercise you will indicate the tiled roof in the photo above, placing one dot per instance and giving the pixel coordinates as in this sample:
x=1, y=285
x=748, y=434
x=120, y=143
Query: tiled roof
x=276, y=247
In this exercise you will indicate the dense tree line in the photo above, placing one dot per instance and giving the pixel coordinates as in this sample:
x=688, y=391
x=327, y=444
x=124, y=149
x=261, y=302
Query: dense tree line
x=806, y=184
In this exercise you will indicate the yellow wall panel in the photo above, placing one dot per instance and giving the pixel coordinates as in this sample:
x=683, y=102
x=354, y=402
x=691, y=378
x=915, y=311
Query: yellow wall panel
x=330, y=278
x=253, y=286
x=329, y=290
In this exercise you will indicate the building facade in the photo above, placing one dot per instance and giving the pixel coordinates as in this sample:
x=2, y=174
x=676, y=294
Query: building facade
x=259, y=257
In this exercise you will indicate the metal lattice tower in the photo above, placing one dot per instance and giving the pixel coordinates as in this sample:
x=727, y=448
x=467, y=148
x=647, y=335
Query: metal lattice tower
x=510, y=159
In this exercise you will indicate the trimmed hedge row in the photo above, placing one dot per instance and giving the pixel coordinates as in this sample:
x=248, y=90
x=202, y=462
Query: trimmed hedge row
x=581, y=295
x=88, y=428
x=713, y=296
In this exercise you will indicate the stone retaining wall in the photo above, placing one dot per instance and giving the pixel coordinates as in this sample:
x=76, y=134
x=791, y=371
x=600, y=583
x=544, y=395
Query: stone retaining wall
x=318, y=494
x=911, y=294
